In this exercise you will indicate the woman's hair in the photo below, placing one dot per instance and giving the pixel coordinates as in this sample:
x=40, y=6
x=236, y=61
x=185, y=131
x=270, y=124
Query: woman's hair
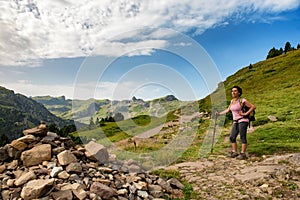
x=239, y=89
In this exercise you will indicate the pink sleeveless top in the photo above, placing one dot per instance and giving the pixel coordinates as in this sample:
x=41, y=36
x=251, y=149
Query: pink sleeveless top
x=236, y=108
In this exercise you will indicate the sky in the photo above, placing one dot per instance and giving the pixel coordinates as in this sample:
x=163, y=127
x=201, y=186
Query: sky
x=147, y=49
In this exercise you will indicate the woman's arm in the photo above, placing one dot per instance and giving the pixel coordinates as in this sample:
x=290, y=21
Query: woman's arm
x=250, y=106
x=223, y=112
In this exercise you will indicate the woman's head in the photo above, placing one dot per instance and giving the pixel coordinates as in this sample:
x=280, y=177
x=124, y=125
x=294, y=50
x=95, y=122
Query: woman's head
x=236, y=91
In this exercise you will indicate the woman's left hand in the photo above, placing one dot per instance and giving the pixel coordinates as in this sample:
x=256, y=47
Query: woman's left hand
x=242, y=114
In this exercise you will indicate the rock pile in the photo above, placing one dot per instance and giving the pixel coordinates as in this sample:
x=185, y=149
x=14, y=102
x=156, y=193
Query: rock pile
x=42, y=165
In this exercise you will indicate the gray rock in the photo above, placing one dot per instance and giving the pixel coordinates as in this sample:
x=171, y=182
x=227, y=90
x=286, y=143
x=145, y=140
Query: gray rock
x=272, y=118
x=97, y=151
x=13, y=152
x=176, y=183
x=143, y=194
x=103, y=191
x=62, y=195
x=55, y=171
x=74, y=167
x=57, y=150
x=165, y=185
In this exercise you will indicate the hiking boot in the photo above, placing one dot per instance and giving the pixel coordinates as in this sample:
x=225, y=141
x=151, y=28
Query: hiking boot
x=233, y=154
x=242, y=156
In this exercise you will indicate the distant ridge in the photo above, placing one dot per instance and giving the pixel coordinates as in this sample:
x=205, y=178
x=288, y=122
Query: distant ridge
x=18, y=112
x=83, y=110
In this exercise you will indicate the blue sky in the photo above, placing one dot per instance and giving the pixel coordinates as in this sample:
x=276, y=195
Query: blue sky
x=147, y=49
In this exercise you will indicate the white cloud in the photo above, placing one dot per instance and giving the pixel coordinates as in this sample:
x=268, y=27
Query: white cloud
x=33, y=30
x=104, y=90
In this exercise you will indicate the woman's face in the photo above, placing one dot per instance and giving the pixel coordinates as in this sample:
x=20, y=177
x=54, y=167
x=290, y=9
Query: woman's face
x=235, y=93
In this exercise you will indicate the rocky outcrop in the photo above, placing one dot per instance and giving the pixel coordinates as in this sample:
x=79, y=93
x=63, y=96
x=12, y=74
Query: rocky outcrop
x=38, y=166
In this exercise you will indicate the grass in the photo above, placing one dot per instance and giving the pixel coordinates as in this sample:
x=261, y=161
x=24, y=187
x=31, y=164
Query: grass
x=279, y=137
x=117, y=131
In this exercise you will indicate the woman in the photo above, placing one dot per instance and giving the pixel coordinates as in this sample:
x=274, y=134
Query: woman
x=240, y=121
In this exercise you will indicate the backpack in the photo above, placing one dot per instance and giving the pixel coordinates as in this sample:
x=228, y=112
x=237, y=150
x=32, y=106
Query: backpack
x=251, y=115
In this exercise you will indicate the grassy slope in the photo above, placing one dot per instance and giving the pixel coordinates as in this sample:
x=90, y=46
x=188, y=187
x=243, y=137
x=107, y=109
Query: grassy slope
x=273, y=86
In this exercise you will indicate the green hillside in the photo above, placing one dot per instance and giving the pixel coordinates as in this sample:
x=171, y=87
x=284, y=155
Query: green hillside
x=17, y=112
x=273, y=85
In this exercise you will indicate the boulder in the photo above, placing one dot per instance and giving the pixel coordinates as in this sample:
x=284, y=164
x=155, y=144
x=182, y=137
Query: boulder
x=25, y=178
x=103, y=191
x=74, y=167
x=62, y=195
x=36, y=188
x=174, y=182
x=13, y=152
x=98, y=151
x=36, y=155
x=66, y=157
x=78, y=190
x=19, y=145
x=55, y=171
x=27, y=139
x=272, y=118
x=39, y=131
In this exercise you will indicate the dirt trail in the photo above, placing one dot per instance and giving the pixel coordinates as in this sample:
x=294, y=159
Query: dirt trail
x=181, y=120
x=221, y=177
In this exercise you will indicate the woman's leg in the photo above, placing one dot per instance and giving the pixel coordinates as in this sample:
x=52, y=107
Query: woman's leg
x=233, y=134
x=243, y=134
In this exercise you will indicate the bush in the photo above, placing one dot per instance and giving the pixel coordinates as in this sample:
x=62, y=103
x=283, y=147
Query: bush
x=259, y=122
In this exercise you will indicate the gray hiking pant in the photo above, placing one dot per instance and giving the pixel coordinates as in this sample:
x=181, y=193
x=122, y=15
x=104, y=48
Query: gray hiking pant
x=239, y=128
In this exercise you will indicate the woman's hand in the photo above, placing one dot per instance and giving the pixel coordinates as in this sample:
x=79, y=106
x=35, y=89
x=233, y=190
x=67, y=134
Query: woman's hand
x=242, y=114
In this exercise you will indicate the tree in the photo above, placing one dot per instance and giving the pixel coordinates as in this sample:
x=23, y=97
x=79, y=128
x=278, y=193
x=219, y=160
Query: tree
x=53, y=128
x=64, y=132
x=298, y=46
x=3, y=140
x=97, y=122
x=250, y=66
x=92, y=122
x=273, y=53
x=287, y=47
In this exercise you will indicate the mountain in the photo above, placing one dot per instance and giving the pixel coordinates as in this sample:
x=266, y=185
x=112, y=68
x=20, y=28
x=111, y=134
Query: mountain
x=18, y=112
x=83, y=110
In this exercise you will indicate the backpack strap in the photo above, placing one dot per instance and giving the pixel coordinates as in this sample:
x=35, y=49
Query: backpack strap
x=243, y=105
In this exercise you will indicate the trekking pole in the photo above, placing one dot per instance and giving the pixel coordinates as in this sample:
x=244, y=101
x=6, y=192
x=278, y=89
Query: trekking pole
x=214, y=133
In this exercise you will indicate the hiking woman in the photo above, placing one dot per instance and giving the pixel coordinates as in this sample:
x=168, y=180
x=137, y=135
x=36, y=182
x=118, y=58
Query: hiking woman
x=240, y=121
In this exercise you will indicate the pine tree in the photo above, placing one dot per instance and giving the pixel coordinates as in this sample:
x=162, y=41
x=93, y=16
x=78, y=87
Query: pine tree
x=287, y=47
